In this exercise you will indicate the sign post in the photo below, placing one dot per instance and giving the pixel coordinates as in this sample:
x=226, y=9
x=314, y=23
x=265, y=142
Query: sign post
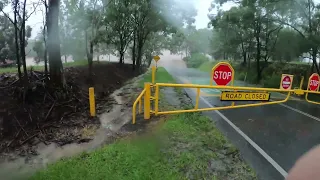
x=156, y=59
x=286, y=81
x=313, y=84
x=222, y=74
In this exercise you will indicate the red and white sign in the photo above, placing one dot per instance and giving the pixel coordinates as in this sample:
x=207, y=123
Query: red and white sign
x=286, y=81
x=222, y=74
x=314, y=82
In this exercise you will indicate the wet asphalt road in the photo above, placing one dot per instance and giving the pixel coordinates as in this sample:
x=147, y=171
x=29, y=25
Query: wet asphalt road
x=283, y=132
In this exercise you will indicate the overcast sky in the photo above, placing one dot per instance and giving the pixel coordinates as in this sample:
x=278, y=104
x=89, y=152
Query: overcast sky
x=35, y=21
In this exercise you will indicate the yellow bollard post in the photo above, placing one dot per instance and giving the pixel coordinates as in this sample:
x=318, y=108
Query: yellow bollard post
x=92, y=102
x=197, y=99
x=153, y=74
x=140, y=106
x=301, y=82
x=156, y=101
x=147, y=101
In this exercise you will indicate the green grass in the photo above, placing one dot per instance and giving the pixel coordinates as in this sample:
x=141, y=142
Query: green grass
x=162, y=76
x=41, y=68
x=207, y=66
x=182, y=147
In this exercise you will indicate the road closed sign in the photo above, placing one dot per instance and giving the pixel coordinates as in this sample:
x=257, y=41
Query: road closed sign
x=314, y=82
x=222, y=74
x=244, y=96
x=286, y=81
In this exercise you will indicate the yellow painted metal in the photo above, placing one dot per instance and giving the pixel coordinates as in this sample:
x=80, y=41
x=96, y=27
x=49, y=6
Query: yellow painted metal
x=225, y=107
x=92, y=102
x=301, y=82
x=222, y=87
x=135, y=105
x=244, y=96
x=140, y=106
x=156, y=101
x=156, y=58
x=232, y=89
x=299, y=92
x=153, y=72
x=147, y=101
x=197, y=99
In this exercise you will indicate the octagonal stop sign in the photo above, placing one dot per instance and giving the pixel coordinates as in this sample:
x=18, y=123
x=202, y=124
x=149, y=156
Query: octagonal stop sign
x=314, y=82
x=222, y=73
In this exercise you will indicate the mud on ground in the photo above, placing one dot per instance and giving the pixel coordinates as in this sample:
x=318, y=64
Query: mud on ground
x=51, y=115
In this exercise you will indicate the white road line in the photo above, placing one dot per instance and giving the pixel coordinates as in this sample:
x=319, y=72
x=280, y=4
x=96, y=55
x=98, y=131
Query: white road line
x=301, y=112
x=251, y=142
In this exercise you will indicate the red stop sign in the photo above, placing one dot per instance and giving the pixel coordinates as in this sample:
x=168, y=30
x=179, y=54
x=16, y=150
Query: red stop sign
x=222, y=74
x=314, y=82
x=286, y=82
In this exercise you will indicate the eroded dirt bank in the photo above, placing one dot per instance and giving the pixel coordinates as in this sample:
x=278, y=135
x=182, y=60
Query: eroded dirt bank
x=36, y=140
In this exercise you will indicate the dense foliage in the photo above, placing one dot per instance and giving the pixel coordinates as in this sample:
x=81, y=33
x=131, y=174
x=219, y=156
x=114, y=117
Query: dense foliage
x=84, y=28
x=264, y=31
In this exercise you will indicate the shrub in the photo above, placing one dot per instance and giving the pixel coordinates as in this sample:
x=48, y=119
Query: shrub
x=196, y=60
x=272, y=81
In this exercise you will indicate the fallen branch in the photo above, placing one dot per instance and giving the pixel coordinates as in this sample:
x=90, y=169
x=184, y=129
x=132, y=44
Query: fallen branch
x=49, y=112
x=15, y=137
x=20, y=125
x=29, y=138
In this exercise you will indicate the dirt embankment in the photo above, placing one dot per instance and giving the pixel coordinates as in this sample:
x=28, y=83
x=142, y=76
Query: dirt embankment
x=54, y=116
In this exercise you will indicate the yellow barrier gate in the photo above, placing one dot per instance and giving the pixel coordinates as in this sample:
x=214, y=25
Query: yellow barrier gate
x=221, y=75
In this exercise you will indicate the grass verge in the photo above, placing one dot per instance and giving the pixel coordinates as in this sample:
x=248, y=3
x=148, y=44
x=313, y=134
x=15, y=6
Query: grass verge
x=162, y=76
x=185, y=146
x=207, y=66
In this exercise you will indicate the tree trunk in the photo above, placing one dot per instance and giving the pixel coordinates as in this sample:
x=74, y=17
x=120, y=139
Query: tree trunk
x=314, y=59
x=134, y=51
x=65, y=58
x=258, y=57
x=54, y=53
x=90, y=60
x=22, y=45
x=139, y=56
x=45, y=54
x=121, y=57
x=17, y=40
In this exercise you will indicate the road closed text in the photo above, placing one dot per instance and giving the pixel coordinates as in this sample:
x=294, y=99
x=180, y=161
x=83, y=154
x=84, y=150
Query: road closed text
x=244, y=96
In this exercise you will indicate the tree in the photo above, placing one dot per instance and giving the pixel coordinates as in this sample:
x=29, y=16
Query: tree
x=249, y=25
x=21, y=33
x=120, y=27
x=53, y=46
x=303, y=16
x=39, y=49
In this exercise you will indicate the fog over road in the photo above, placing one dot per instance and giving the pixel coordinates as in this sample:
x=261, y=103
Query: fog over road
x=271, y=137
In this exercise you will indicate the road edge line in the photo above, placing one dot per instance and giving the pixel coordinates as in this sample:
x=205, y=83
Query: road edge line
x=299, y=111
x=250, y=141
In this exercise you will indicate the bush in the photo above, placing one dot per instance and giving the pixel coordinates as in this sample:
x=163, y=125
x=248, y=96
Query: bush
x=240, y=76
x=272, y=81
x=196, y=60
